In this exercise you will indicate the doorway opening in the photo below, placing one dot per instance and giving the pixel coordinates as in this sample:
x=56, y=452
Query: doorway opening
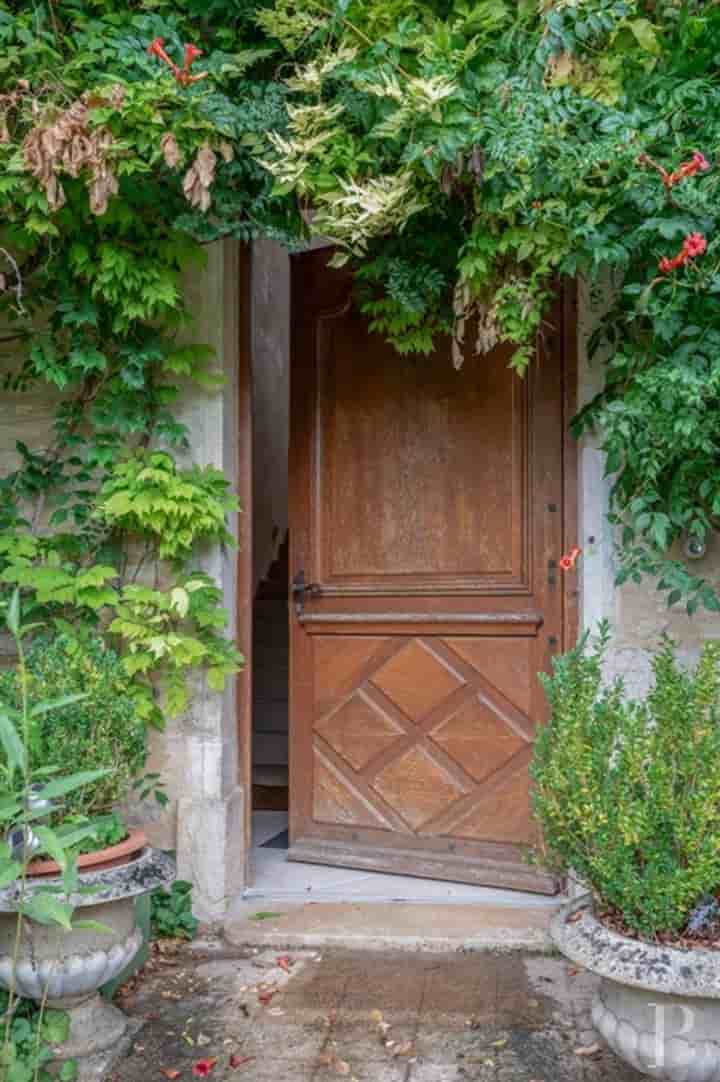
x=270, y=291
x=415, y=664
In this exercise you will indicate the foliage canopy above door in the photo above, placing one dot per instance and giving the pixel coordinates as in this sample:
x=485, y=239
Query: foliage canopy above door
x=427, y=511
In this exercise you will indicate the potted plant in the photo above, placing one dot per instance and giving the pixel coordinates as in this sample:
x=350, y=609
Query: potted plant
x=95, y=724
x=628, y=796
x=64, y=935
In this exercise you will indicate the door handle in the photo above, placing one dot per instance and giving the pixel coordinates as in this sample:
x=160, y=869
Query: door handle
x=300, y=590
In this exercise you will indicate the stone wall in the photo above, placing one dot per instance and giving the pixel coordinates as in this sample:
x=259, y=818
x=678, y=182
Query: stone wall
x=637, y=614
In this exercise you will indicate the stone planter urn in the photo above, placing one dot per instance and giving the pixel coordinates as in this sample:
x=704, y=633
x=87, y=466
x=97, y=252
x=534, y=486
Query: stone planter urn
x=69, y=968
x=657, y=1007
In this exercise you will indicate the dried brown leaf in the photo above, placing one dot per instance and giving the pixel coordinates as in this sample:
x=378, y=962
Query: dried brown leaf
x=205, y=161
x=170, y=150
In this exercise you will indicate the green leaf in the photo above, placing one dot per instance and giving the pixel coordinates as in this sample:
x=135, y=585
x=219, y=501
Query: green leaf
x=56, y=1027
x=57, y=704
x=94, y=926
x=13, y=613
x=48, y=909
x=12, y=745
x=645, y=35
x=10, y=870
x=63, y=786
x=52, y=845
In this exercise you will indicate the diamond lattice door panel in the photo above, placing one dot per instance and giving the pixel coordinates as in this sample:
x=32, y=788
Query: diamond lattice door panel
x=428, y=509
x=424, y=740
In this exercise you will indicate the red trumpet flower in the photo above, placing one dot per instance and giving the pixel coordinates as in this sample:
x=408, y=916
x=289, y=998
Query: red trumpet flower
x=182, y=75
x=697, y=164
x=157, y=48
x=568, y=561
x=693, y=246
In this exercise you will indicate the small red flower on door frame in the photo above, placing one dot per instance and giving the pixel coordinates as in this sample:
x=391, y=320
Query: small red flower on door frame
x=569, y=560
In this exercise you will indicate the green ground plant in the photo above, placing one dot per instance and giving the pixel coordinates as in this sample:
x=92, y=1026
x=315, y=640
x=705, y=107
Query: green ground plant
x=30, y=800
x=627, y=791
x=171, y=915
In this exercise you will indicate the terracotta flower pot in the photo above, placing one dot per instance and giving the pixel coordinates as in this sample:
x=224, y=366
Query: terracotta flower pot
x=110, y=857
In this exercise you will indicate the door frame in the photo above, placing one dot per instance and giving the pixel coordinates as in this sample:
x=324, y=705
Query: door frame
x=564, y=337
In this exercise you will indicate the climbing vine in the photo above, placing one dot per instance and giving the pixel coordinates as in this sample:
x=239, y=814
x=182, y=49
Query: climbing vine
x=462, y=156
x=465, y=155
x=125, y=147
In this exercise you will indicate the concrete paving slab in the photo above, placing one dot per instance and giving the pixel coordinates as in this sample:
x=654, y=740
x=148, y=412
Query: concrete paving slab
x=364, y=1016
x=410, y=926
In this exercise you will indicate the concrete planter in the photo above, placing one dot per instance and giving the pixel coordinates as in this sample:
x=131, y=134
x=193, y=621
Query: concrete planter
x=69, y=968
x=657, y=1007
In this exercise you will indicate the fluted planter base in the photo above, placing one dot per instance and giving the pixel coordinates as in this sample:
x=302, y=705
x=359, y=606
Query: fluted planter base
x=662, y=1036
x=100, y=1035
x=658, y=1008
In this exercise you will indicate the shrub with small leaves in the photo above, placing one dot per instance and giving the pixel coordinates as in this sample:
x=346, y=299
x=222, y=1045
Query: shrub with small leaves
x=628, y=791
x=100, y=731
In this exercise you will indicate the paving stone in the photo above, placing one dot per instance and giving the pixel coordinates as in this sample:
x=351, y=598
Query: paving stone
x=470, y=1018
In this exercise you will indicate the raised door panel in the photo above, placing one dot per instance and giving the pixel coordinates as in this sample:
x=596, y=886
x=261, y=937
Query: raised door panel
x=421, y=470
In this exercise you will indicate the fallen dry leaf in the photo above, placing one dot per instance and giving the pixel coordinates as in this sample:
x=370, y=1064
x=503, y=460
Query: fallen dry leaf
x=330, y=1059
x=239, y=1061
x=588, y=1050
x=404, y=1048
x=169, y=1072
x=500, y=1044
x=203, y=1067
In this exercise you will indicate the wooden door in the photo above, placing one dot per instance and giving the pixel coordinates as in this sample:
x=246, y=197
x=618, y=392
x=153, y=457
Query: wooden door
x=427, y=514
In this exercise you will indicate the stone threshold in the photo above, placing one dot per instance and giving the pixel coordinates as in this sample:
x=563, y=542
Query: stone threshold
x=400, y=926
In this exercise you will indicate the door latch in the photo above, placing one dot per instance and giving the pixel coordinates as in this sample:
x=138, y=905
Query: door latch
x=301, y=590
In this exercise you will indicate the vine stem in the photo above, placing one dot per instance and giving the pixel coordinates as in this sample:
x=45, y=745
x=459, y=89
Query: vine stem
x=41, y=1016
x=18, y=281
x=24, y=822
